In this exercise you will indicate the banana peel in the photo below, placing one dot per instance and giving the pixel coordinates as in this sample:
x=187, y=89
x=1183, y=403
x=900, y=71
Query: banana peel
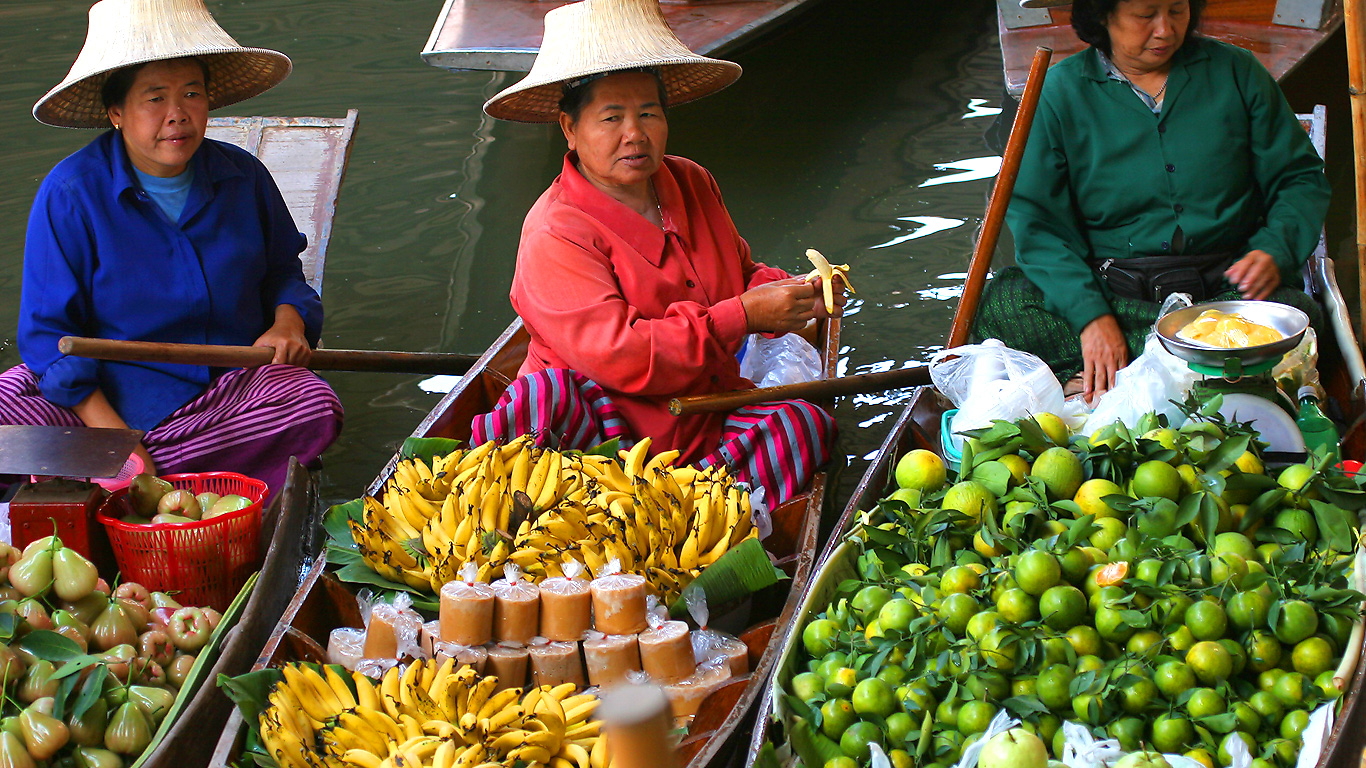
x=826, y=271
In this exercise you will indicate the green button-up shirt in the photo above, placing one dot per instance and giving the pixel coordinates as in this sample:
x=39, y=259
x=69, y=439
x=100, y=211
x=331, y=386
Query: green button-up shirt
x=1103, y=177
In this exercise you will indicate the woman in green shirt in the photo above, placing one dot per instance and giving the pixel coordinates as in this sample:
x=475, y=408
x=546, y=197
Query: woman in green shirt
x=1159, y=161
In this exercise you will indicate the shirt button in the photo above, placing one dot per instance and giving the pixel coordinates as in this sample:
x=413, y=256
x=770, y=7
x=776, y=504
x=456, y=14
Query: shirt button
x=1171, y=168
x=1179, y=207
x=715, y=379
x=1162, y=128
x=1165, y=245
x=691, y=284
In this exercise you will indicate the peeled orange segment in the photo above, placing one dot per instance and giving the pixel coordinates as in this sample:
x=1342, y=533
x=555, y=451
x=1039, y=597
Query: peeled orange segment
x=1112, y=574
x=1227, y=331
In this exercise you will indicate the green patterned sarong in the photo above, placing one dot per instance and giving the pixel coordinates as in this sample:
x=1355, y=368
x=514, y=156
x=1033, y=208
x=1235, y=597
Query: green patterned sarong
x=1012, y=310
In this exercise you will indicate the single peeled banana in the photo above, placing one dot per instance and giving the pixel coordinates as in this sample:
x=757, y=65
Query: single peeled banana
x=825, y=271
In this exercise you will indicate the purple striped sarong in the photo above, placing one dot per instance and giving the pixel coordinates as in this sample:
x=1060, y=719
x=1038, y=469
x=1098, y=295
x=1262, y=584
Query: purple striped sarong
x=249, y=420
x=777, y=445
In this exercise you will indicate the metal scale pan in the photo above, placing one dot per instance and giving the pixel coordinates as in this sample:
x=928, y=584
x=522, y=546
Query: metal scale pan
x=1234, y=363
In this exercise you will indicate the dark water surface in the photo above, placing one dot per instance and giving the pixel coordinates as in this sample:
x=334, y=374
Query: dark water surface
x=857, y=131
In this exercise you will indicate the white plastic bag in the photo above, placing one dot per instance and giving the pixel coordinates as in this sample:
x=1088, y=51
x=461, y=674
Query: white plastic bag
x=1150, y=383
x=786, y=359
x=1000, y=723
x=1082, y=750
x=991, y=381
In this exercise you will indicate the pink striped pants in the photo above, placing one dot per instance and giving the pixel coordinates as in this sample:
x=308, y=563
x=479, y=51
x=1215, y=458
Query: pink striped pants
x=777, y=445
x=249, y=420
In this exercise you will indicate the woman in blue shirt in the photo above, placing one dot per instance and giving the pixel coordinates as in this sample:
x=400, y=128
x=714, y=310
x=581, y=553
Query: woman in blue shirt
x=153, y=232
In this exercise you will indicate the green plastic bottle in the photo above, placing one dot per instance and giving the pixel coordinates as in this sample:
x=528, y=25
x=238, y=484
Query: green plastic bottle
x=1318, y=430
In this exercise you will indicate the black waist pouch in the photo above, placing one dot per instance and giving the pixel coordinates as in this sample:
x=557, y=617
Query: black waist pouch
x=1154, y=278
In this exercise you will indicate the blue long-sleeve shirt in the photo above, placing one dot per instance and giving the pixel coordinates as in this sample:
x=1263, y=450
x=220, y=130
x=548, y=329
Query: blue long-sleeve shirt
x=101, y=260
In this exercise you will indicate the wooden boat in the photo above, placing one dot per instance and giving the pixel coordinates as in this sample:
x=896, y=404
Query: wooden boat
x=1281, y=33
x=1343, y=376
x=504, y=35
x=323, y=603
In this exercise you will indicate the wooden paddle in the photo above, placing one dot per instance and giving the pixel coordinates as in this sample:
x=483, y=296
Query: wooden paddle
x=963, y=316
x=1354, y=20
x=248, y=357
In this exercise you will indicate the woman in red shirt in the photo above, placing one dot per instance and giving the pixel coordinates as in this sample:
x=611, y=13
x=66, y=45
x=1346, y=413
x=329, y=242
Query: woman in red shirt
x=631, y=278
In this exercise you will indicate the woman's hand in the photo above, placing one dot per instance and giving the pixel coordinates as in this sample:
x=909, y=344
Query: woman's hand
x=782, y=306
x=1255, y=275
x=287, y=337
x=96, y=411
x=840, y=296
x=1103, y=353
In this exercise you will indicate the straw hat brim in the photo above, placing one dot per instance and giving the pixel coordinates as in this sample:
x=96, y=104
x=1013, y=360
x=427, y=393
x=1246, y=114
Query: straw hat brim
x=537, y=99
x=235, y=74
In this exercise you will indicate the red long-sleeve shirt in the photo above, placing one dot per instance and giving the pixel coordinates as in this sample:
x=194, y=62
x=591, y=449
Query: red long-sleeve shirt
x=649, y=314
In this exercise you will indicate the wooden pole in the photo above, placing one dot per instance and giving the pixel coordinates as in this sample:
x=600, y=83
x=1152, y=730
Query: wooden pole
x=963, y=316
x=249, y=357
x=980, y=264
x=1354, y=20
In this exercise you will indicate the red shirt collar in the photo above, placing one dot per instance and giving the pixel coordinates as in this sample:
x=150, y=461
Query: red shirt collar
x=636, y=230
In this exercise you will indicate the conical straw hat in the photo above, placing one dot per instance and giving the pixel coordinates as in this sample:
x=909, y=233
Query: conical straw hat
x=590, y=37
x=126, y=32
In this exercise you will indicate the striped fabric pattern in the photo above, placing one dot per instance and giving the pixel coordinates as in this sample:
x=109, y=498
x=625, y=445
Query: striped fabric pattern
x=778, y=445
x=250, y=420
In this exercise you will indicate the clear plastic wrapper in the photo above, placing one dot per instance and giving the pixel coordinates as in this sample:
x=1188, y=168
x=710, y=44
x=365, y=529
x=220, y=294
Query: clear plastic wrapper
x=566, y=605
x=393, y=630
x=686, y=695
x=1300, y=367
x=618, y=601
x=553, y=663
x=516, y=607
x=345, y=646
x=466, y=612
x=1154, y=382
x=475, y=657
x=708, y=644
x=786, y=359
x=375, y=668
x=609, y=658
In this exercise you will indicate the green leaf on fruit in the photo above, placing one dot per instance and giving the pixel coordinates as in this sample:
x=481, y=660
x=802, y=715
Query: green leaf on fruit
x=90, y=691
x=428, y=448
x=49, y=645
x=1335, y=525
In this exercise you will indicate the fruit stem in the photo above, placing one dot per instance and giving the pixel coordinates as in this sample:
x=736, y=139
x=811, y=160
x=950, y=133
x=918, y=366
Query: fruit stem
x=1352, y=654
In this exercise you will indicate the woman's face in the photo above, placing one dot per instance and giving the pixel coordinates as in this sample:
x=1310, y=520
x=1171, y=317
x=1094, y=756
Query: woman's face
x=1144, y=34
x=620, y=133
x=163, y=117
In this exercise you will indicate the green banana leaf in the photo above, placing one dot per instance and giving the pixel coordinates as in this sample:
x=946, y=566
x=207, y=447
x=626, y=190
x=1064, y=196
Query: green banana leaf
x=427, y=448
x=203, y=663
x=741, y=571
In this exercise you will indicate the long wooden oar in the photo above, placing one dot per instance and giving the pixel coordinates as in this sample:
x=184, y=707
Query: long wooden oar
x=248, y=357
x=1354, y=21
x=963, y=316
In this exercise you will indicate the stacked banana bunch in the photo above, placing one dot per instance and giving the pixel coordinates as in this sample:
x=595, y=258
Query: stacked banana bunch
x=540, y=508
x=427, y=714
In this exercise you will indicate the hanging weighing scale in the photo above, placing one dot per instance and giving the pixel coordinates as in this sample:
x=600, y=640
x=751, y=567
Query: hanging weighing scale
x=1243, y=376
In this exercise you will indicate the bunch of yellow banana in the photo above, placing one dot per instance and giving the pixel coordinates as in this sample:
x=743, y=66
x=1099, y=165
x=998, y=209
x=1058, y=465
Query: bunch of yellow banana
x=538, y=508
x=426, y=714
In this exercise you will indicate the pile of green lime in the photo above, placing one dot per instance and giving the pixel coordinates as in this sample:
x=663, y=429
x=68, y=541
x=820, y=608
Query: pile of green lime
x=1156, y=586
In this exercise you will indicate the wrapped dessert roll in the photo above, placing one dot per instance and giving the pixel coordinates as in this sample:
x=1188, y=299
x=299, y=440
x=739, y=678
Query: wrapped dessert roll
x=618, y=601
x=516, y=607
x=566, y=605
x=610, y=658
x=467, y=605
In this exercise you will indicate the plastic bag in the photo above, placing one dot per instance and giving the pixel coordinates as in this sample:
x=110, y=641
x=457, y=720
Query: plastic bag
x=990, y=381
x=786, y=359
x=759, y=513
x=1082, y=750
x=1155, y=381
x=1001, y=723
x=1150, y=383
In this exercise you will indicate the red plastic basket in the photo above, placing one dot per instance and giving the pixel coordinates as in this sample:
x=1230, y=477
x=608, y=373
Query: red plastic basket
x=204, y=562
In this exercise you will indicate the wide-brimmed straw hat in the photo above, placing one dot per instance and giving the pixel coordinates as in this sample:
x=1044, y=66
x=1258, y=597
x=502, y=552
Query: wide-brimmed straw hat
x=592, y=37
x=127, y=32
